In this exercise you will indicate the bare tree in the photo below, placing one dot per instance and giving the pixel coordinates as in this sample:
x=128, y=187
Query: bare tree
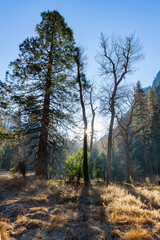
x=93, y=110
x=126, y=129
x=117, y=59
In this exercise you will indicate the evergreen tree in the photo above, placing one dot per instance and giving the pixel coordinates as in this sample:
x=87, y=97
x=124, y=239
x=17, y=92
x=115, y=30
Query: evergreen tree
x=101, y=167
x=93, y=156
x=140, y=120
x=3, y=97
x=41, y=85
x=5, y=134
x=154, y=129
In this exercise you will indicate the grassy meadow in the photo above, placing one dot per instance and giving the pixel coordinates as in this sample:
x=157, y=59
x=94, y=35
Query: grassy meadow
x=55, y=210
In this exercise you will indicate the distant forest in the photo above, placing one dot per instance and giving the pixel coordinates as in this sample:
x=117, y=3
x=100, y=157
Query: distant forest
x=48, y=108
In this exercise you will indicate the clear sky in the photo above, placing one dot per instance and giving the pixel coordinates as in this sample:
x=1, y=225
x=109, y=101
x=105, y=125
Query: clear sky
x=87, y=18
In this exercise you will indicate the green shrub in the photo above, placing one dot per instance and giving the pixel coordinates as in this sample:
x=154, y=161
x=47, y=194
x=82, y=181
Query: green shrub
x=147, y=180
x=13, y=171
x=129, y=180
x=74, y=165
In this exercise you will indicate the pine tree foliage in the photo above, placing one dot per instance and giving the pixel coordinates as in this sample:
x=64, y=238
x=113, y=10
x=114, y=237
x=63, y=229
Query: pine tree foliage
x=41, y=76
x=141, y=120
x=141, y=107
x=154, y=129
x=100, y=167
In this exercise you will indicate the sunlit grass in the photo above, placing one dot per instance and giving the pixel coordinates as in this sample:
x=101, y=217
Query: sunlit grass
x=137, y=233
x=5, y=229
x=152, y=195
x=62, y=209
x=124, y=210
x=4, y=235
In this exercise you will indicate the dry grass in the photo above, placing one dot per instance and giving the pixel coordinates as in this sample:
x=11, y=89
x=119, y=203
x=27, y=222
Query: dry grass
x=125, y=211
x=19, y=232
x=36, y=200
x=5, y=229
x=4, y=235
x=137, y=233
x=52, y=210
x=11, y=183
x=151, y=195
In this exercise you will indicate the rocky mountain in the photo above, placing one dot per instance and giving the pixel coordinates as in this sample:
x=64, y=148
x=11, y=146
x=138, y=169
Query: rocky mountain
x=155, y=84
x=156, y=80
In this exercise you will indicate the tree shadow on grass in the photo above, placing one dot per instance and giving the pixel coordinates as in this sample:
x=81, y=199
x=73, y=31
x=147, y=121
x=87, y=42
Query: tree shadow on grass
x=144, y=199
x=92, y=222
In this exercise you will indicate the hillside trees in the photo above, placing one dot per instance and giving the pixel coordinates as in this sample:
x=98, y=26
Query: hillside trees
x=100, y=167
x=6, y=135
x=117, y=59
x=154, y=129
x=127, y=128
x=141, y=120
x=142, y=123
x=41, y=85
x=5, y=90
x=2, y=141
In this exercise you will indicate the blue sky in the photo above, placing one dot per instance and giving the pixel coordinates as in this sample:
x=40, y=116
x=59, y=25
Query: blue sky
x=87, y=18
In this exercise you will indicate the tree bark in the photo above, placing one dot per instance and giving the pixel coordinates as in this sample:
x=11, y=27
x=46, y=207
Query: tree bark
x=109, y=150
x=145, y=155
x=92, y=122
x=128, y=159
x=41, y=169
x=92, y=135
x=85, y=157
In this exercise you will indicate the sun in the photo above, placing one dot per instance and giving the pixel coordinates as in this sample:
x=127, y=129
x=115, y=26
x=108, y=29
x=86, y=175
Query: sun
x=88, y=131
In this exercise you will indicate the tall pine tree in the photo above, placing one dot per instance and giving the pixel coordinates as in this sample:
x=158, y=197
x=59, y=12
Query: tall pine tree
x=140, y=120
x=41, y=84
x=154, y=130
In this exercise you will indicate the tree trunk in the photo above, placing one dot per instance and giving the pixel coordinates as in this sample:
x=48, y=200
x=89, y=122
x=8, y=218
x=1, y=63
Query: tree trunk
x=92, y=132
x=85, y=157
x=41, y=169
x=92, y=135
x=109, y=150
x=145, y=156
x=91, y=147
x=128, y=160
x=155, y=160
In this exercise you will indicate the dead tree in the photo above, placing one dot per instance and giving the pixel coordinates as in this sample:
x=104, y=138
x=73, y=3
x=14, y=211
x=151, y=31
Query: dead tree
x=126, y=128
x=117, y=58
x=93, y=110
